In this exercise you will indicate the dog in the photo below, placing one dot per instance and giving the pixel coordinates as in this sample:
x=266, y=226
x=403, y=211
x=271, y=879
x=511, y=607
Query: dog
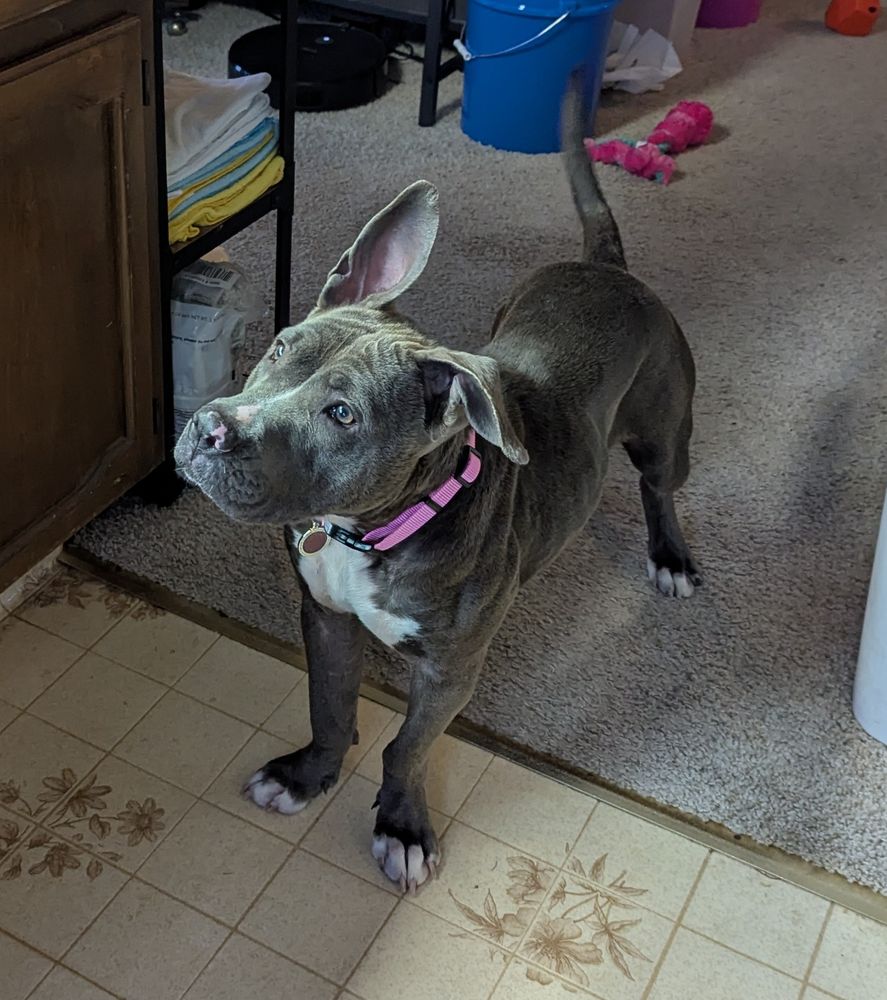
x=419, y=487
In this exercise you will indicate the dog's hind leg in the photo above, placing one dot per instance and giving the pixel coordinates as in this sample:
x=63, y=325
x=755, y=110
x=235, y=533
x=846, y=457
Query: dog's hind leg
x=664, y=465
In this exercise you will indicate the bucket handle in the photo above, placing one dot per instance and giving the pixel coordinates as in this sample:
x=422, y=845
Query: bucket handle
x=467, y=56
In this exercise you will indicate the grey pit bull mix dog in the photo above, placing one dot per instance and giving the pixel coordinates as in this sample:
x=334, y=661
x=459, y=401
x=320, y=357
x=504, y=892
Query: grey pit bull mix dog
x=354, y=416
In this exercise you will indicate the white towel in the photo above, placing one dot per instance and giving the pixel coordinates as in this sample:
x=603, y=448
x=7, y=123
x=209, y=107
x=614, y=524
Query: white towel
x=205, y=117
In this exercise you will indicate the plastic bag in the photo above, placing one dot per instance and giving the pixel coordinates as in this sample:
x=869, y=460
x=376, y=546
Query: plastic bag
x=639, y=61
x=212, y=302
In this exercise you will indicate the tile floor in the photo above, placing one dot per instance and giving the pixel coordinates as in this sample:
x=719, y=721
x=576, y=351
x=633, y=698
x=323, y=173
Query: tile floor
x=131, y=867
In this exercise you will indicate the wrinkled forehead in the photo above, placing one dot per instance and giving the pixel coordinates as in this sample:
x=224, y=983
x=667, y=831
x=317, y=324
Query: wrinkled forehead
x=315, y=342
x=360, y=354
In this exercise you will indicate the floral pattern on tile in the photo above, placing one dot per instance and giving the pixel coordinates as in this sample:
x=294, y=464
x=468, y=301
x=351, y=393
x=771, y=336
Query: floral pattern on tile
x=40, y=767
x=69, y=587
x=49, y=854
x=44, y=853
x=521, y=981
x=13, y=831
x=56, y=787
x=19, y=591
x=83, y=815
x=665, y=863
x=76, y=607
x=506, y=923
x=29, y=851
x=589, y=919
x=48, y=892
x=137, y=822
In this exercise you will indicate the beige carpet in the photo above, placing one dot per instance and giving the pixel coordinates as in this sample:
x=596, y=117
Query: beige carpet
x=772, y=251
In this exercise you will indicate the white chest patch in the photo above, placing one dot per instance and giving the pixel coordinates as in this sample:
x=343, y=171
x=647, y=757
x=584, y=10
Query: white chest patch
x=339, y=579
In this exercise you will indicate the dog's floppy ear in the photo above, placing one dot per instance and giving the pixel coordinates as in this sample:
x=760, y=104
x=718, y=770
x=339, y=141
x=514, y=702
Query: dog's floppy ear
x=460, y=385
x=390, y=253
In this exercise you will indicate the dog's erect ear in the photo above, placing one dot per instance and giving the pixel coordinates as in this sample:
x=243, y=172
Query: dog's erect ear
x=460, y=385
x=390, y=253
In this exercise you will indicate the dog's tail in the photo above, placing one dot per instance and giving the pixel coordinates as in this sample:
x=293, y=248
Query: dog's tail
x=602, y=241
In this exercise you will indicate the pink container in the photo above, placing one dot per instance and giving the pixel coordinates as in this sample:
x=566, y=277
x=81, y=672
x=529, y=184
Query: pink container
x=728, y=13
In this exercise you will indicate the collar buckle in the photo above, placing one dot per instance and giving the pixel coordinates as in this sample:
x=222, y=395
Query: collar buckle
x=346, y=537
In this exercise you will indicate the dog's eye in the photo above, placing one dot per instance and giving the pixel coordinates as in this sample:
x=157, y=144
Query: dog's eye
x=342, y=413
x=278, y=350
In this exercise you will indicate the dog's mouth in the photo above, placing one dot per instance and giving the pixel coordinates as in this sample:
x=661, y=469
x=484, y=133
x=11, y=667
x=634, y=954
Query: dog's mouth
x=233, y=480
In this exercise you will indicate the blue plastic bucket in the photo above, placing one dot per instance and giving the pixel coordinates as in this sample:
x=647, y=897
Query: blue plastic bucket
x=518, y=58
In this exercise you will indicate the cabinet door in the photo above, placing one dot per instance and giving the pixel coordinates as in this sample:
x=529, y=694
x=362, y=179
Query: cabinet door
x=77, y=358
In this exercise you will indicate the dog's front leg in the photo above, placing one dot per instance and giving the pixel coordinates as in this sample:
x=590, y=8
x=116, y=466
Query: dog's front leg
x=404, y=842
x=334, y=648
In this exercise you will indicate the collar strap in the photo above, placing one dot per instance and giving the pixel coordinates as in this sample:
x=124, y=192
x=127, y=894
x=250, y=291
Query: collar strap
x=413, y=518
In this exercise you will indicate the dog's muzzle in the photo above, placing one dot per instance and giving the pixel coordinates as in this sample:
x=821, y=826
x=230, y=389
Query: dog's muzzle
x=214, y=431
x=211, y=438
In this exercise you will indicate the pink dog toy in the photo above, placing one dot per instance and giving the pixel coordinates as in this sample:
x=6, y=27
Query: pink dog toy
x=687, y=124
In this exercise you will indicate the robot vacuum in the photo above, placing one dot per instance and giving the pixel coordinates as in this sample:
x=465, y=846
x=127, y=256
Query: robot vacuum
x=337, y=65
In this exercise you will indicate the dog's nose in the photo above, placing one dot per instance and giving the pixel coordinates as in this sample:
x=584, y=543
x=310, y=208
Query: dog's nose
x=214, y=431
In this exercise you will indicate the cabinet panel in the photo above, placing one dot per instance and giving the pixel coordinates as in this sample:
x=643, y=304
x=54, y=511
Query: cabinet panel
x=76, y=366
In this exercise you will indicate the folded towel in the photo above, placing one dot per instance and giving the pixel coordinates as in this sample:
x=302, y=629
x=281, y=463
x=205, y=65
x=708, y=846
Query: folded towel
x=206, y=117
x=224, y=177
x=213, y=210
x=249, y=143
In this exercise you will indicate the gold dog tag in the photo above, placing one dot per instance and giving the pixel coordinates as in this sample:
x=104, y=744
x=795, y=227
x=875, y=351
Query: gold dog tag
x=313, y=540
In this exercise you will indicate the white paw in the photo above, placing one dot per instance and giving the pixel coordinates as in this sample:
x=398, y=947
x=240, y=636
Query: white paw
x=668, y=583
x=270, y=794
x=408, y=867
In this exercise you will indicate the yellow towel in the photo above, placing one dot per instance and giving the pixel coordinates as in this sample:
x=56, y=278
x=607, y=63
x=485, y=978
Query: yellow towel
x=181, y=194
x=211, y=211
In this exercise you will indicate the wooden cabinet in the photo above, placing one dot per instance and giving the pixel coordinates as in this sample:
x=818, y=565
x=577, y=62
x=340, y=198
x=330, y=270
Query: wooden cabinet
x=79, y=330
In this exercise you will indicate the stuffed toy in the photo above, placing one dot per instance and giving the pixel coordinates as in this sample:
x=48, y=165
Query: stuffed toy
x=687, y=124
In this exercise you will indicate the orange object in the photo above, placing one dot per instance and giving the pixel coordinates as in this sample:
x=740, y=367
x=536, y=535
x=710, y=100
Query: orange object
x=852, y=17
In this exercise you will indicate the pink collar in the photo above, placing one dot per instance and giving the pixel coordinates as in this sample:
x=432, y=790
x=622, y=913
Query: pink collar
x=406, y=523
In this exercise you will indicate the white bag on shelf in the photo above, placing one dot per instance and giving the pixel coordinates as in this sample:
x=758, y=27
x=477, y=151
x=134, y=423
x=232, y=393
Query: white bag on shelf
x=211, y=304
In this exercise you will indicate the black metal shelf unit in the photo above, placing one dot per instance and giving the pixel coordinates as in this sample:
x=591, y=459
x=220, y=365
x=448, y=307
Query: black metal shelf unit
x=439, y=17
x=163, y=485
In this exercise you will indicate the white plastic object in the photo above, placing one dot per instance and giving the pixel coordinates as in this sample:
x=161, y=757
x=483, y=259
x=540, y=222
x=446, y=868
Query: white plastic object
x=211, y=305
x=638, y=61
x=673, y=19
x=870, y=687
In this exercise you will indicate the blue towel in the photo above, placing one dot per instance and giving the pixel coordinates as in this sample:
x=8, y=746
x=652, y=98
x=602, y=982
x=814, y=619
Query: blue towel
x=252, y=139
x=228, y=179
